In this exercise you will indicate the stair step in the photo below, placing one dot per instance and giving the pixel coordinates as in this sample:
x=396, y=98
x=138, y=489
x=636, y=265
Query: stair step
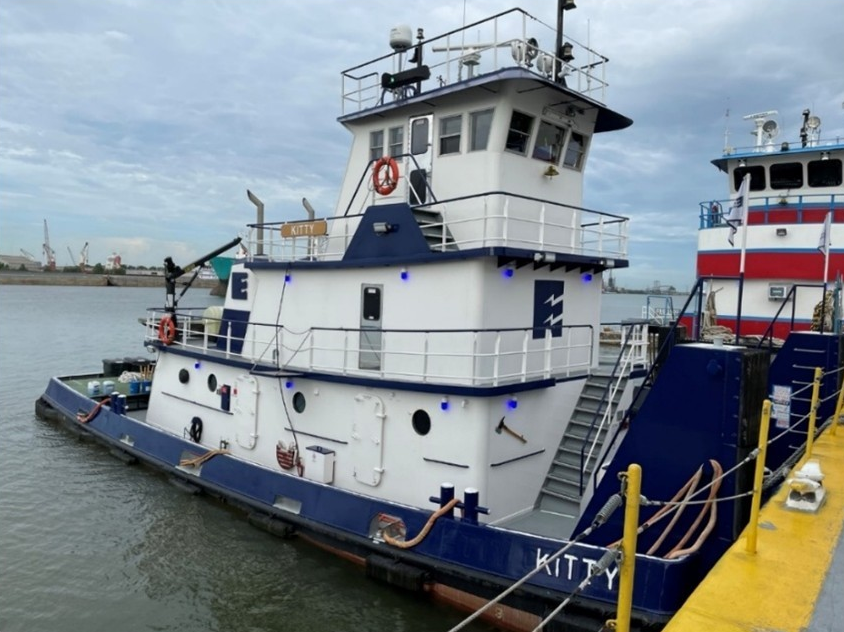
x=427, y=215
x=561, y=496
x=573, y=467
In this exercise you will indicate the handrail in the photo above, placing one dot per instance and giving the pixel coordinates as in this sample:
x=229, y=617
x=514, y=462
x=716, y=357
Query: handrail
x=479, y=357
x=792, y=297
x=611, y=390
x=618, y=219
x=713, y=213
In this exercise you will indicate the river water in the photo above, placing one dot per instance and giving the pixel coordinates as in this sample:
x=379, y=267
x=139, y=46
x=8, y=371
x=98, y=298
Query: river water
x=88, y=543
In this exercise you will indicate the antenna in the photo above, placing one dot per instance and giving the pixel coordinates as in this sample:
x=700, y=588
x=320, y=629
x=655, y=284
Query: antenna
x=727, y=148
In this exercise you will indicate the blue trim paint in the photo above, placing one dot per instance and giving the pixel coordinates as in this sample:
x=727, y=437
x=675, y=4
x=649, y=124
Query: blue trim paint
x=234, y=321
x=597, y=264
x=733, y=251
x=453, y=551
x=404, y=237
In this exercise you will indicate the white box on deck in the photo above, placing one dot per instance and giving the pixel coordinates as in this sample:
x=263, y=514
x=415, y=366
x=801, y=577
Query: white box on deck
x=319, y=464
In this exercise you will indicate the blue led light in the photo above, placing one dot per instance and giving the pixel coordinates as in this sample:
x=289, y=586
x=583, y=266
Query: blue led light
x=287, y=278
x=586, y=277
x=196, y=364
x=512, y=403
x=444, y=404
x=404, y=275
x=288, y=384
x=507, y=273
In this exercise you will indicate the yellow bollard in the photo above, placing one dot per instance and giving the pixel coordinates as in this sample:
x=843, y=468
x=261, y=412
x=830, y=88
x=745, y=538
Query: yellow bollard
x=753, y=525
x=813, y=413
x=628, y=548
x=837, y=411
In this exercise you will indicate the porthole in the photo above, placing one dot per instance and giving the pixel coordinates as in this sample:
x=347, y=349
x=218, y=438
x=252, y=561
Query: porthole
x=299, y=402
x=421, y=422
x=184, y=376
x=212, y=383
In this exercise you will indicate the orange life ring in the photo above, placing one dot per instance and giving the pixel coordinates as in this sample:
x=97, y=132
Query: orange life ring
x=386, y=184
x=167, y=329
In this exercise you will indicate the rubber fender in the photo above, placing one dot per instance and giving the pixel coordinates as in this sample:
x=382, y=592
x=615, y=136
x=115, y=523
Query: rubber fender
x=271, y=525
x=395, y=573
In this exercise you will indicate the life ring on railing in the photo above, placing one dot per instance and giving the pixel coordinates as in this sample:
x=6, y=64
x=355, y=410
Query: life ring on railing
x=390, y=180
x=167, y=329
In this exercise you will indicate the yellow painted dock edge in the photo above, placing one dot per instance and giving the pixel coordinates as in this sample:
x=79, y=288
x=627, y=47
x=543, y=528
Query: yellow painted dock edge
x=777, y=587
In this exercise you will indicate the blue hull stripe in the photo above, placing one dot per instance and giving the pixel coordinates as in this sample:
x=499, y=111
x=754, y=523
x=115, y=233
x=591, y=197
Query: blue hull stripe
x=453, y=550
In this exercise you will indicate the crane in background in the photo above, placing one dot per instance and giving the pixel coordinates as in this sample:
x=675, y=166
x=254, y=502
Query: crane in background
x=49, y=253
x=82, y=261
x=28, y=254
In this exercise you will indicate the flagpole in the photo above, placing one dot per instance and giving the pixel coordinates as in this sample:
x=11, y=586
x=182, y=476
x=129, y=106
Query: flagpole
x=745, y=214
x=741, y=278
x=826, y=248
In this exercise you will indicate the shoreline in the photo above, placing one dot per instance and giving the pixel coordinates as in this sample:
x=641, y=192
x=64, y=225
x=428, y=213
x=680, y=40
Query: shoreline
x=78, y=279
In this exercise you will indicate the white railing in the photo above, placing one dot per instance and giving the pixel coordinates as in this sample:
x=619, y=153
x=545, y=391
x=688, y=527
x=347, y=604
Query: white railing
x=457, y=357
x=493, y=219
x=634, y=344
x=509, y=39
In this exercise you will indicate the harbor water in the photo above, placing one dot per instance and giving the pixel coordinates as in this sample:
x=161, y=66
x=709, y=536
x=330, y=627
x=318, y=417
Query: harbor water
x=88, y=543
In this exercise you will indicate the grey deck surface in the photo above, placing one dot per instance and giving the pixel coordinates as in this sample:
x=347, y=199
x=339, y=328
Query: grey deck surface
x=829, y=611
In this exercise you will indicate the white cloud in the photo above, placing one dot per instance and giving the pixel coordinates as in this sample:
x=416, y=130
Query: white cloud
x=138, y=126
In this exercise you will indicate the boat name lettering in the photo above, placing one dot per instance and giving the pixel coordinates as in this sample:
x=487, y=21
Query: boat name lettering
x=570, y=564
x=304, y=229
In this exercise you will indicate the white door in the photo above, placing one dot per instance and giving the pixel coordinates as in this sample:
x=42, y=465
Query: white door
x=367, y=439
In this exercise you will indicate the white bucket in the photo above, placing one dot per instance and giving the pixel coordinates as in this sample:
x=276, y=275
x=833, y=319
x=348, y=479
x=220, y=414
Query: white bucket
x=94, y=388
x=108, y=387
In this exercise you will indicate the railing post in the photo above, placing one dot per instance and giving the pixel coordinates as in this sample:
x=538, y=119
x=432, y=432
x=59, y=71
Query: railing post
x=475, y=360
x=506, y=221
x=838, y=406
x=425, y=359
x=548, y=339
x=627, y=565
x=497, y=357
x=525, y=354
x=542, y=226
x=753, y=524
x=813, y=413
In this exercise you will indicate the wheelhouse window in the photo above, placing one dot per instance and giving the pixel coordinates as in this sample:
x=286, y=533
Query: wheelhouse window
x=376, y=144
x=450, y=127
x=519, y=133
x=575, y=151
x=549, y=142
x=788, y=175
x=396, y=139
x=824, y=173
x=757, y=177
x=479, y=125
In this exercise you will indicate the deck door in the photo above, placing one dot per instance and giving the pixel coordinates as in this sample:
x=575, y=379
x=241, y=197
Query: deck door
x=422, y=152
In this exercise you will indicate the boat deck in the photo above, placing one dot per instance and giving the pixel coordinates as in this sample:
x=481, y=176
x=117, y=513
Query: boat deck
x=795, y=581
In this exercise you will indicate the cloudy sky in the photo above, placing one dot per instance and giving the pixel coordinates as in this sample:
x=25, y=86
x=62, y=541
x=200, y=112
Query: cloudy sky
x=138, y=125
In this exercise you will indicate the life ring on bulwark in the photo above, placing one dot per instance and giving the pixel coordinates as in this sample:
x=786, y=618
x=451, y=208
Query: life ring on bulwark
x=386, y=184
x=167, y=329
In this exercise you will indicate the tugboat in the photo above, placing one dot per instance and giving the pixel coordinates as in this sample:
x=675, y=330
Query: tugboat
x=794, y=207
x=414, y=382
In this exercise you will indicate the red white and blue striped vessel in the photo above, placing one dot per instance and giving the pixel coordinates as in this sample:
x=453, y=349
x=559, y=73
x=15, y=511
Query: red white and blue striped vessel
x=795, y=188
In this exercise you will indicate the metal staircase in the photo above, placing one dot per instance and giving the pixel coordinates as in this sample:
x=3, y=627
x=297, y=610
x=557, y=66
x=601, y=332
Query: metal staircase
x=434, y=229
x=561, y=491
